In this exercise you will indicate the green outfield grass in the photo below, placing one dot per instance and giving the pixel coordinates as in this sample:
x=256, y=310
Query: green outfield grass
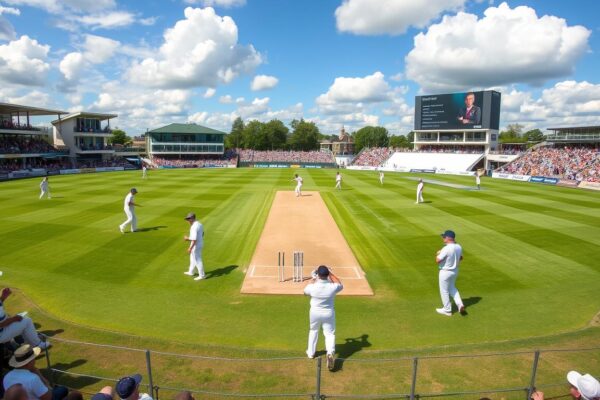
x=531, y=257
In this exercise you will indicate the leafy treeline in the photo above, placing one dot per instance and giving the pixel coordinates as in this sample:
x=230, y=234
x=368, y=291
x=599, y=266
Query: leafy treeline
x=303, y=135
x=514, y=134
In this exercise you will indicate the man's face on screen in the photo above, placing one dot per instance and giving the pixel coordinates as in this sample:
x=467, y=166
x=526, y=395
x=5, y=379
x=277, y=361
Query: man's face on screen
x=469, y=100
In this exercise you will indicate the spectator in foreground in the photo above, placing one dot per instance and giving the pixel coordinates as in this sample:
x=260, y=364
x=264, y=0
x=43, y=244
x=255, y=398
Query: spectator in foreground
x=581, y=387
x=18, y=325
x=106, y=393
x=128, y=388
x=16, y=392
x=26, y=374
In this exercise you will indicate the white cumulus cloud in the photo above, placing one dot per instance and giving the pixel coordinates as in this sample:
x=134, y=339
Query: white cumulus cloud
x=23, y=61
x=508, y=45
x=263, y=82
x=392, y=17
x=347, y=94
x=218, y=3
x=200, y=50
x=96, y=50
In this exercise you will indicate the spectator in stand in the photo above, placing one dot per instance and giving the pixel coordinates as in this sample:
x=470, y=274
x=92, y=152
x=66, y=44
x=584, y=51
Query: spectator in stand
x=128, y=388
x=26, y=374
x=106, y=393
x=18, y=325
x=289, y=156
x=16, y=392
x=581, y=387
x=574, y=163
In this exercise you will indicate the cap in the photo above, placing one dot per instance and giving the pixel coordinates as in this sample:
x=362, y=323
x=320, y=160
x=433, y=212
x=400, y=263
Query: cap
x=190, y=215
x=449, y=234
x=323, y=271
x=126, y=386
x=101, y=396
x=134, y=190
x=587, y=385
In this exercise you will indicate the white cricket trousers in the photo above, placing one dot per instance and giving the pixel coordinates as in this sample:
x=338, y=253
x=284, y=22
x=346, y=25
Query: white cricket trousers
x=338, y=185
x=318, y=319
x=448, y=288
x=298, y=190
x=196, y=262
x=419, y=196
x=23, y=328
x=131, y=218
x=45, y=192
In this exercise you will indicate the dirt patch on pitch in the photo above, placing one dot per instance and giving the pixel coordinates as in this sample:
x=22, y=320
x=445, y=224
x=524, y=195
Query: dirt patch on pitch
x=302, y=224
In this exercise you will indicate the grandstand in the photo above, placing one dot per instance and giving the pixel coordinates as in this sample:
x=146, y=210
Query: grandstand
x=569, y=154
x=85, y=135
x=285, y=158
x=25, y=148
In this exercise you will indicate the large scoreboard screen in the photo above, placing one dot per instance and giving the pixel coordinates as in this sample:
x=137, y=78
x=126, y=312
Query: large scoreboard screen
x=469, y=110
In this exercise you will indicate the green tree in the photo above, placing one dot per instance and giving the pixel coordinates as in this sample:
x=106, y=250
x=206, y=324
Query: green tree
x=411, y=138
x=512, y=134
x=534, y=135
x=276, y=133
x=235, y=139
x=371, y=136
x=305, y=135
x=399, y=141
x=253, y=136
x=119, y=137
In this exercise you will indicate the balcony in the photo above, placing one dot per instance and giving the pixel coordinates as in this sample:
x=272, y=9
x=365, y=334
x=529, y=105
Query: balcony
x=189, y=148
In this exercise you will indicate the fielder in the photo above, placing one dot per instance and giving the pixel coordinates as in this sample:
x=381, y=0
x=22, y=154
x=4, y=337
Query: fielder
x=448, y=259
x=196, y=239
x=298, y=189
x=44, y=188
x=420, y=191
x=381, y=177
x=338, y=181
x=322, y=314
x=144, y=172
x=129, y=207
x=478, y=181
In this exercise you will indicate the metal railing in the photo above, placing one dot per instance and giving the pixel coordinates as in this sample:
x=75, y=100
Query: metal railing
x=298, y=377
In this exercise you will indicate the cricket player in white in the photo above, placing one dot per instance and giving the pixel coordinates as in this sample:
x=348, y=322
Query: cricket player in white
x=478, y=181
x=144, y=172
x=420, y=191
x=338, y=181
x=298, y=189
x=196, y=239
x=322, y=292
x=381, y=176
x=44, y=188
x=129, y=207
x=448, y=259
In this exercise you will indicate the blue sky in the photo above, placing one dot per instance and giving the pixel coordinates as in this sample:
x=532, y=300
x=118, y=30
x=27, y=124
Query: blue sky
x=336, y=62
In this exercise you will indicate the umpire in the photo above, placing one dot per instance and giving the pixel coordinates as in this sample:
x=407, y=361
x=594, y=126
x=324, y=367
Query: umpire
x=322, y=314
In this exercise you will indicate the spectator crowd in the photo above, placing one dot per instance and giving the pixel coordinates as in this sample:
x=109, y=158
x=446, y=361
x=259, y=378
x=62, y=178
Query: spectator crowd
x=581, y=163
x=372, y=157
x=287, y=156
x=25, y=145
x=10, y=124
x=229, y=158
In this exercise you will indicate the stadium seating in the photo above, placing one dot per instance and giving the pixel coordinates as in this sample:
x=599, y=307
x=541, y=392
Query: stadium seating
x=430, y=161
x=289, y=156
x=372, y=157
x=17, y=145
x=570, y=162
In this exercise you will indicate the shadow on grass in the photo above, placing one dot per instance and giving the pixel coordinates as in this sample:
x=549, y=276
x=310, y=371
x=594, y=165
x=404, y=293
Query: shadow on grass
x=215, y=273
x=151, y=228
x=347, y=349
x=70, y=381
x=470, y=301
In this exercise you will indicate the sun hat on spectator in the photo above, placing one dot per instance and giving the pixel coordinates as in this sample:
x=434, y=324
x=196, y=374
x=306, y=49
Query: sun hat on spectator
x=23, y=355
x=587, y=385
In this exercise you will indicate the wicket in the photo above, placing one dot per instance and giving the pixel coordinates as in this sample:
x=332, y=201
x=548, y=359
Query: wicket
x=298, y=266
x=281, y=265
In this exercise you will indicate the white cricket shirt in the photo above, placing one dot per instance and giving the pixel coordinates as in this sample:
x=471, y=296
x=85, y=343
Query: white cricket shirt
x=197, y=234
x=450, y=257
x=322, y=293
